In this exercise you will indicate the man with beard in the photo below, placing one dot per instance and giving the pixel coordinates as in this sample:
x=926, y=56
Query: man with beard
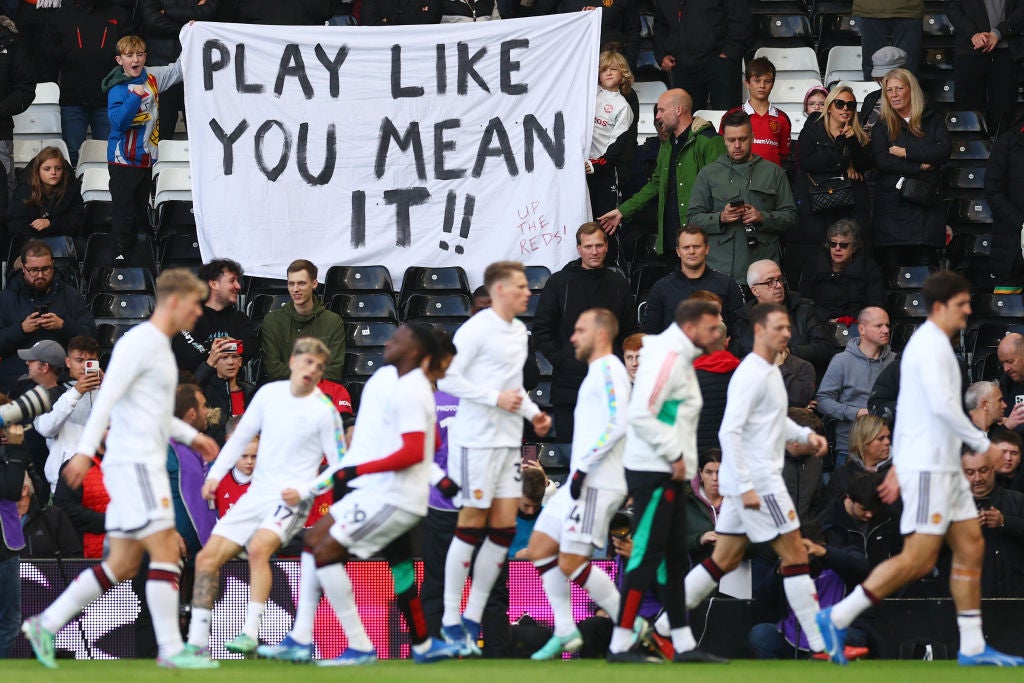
x=38, y=304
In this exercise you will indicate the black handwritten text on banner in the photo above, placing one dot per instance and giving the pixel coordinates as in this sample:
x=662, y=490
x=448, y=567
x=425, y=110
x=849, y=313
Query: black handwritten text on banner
x=421, y=145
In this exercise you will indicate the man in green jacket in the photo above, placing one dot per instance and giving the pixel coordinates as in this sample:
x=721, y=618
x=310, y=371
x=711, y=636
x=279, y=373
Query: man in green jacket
x=743, y=202
x=303, y=316
x=692, y=144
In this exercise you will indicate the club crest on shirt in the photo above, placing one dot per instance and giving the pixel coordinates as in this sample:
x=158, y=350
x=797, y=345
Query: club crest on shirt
x=936, y=518
x=165, y=503
x=773, y=126
x=477, y=494
x=791, y=515
x=608, y=3
x=608, y=109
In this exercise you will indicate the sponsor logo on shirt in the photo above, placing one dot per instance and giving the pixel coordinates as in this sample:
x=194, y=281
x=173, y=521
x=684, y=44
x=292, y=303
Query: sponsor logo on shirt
x=766, y=141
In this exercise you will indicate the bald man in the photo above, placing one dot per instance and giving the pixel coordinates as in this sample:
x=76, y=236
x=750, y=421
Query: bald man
x=1011, y=359
x=846, y=386
x=692, y=143
x=984, y=404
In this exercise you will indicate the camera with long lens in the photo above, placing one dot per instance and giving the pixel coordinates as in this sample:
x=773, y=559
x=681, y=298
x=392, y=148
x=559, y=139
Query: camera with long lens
x=27, y=407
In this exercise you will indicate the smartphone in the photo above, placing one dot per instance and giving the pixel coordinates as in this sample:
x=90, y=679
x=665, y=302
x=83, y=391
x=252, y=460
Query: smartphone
x=737, y=203
x=530, y=452
x=92, y=367
x=231, y=347
x=1018, y=399
x=42, y=310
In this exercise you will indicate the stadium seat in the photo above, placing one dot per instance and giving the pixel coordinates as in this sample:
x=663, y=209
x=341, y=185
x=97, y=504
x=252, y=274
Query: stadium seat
x=647, y=92
x=544, y=366
x=37, y=124
x=363, y=363
x=970, y=149
x=965, y=177
x=998, y=305
x=171, y=154
x=901, y=333
x=438, y=306
x=138, y=280
x=970, y=210
x=937, y=61
x=967, y=249
x=253, y=286
x=531, y=308
x=114, y=307
x=792, y=62
x=797, y=119
x=541, y=394
x=366, y=334
x=965, y=122
x=365, y=306
x=940, y=91
x=449, y=326
x=861, y=89
x=92, y=154
x=355, y=390
x=344, y=279
x=840, y=335
x=434, y=280
x=47, y=94
x=907, y=304
x=65, y=256
x=261, y=304
x=554, y=455
x=537, y=277
x=96, y=185
x=108, y=334
x=180, y=251
x=841, y=29
x=937, y=25
x=173, y=185
x=791, y=91
x=645, y=277
x=26, y=150
x=907, y=277
x=712, y=116
x=843, y=64
x=783, y=30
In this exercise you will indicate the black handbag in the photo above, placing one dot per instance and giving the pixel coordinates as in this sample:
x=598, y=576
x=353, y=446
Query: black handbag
x=920, y=192
x=831, y=194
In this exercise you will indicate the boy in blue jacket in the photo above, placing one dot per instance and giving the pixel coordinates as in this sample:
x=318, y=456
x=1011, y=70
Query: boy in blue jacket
x=133, y=96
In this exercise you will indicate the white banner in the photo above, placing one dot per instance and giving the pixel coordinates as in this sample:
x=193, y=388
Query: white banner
x=457, y=144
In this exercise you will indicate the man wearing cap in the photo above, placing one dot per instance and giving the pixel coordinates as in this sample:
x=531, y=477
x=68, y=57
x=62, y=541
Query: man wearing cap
x=44, y=360
x=890, y=22
x=38, y=304
x=883, y=61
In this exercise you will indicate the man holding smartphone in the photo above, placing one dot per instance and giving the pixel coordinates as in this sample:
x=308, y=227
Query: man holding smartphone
x=743, y=202
x=62, y=426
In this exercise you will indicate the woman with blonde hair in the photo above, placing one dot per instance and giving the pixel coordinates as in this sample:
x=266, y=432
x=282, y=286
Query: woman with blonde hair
x=832, y=156
x=909, y=144
x=869, y=444
x=48, y=200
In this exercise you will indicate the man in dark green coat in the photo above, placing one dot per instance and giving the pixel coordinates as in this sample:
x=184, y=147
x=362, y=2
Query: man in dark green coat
x=303, y=316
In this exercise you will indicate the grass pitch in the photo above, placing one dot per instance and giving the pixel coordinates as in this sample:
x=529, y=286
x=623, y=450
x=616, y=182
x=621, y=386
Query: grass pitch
x=504, y=671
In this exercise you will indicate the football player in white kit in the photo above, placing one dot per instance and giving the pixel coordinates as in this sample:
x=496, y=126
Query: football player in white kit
x=298, y=426
x=485, y=446
x=938, y=506
x=756, y=505
x=136, y=399
x=575, y=521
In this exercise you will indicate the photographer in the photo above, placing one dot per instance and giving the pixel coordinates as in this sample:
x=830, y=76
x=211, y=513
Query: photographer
x=743, y=202
x=62, y=426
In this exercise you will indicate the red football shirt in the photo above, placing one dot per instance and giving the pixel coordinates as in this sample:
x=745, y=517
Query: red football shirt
x=771, y=132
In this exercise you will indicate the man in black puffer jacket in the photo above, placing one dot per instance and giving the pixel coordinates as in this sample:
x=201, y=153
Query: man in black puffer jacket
x=17, y=90
x=82, y=38
x=583, y=284
x=37, y=304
